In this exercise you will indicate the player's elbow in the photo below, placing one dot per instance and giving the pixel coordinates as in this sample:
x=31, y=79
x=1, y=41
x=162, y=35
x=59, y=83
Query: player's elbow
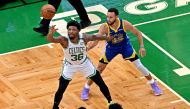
x=95, y=43
x=95, y=37
x=50, y=39
x=138, y=34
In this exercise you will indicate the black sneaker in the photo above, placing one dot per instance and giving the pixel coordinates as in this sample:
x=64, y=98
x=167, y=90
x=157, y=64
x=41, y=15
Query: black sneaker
x=114, y=106
x=55, y=107
x=42, y=30
x=85, y=24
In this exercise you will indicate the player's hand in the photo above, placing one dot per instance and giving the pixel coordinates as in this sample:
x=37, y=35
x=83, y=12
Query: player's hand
x=109, y=38
x=87, y=48
x=91, y=45
x=142, y=52
x=53, y=29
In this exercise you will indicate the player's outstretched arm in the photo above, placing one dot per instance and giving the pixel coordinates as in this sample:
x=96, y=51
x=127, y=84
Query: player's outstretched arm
x=102, y=35
x=91, y=45
x=92, y=40
x=60, y=39
x=89, y=37
x=50, y=35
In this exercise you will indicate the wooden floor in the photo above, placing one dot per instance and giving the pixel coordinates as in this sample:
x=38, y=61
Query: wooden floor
x=29, y=79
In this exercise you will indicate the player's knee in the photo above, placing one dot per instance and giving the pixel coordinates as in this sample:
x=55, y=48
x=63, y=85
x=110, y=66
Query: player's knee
x=101, y=68
x=141, y=67
x=137, y=63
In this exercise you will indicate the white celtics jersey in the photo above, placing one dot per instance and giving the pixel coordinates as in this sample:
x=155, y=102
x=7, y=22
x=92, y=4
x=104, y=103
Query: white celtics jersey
x=75, y=53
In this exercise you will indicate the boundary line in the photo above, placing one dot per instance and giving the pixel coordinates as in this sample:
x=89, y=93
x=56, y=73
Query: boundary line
x=166, y=53
x=49, y=44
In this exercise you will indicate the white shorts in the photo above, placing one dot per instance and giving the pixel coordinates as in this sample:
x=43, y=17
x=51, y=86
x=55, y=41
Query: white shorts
x=86, y=68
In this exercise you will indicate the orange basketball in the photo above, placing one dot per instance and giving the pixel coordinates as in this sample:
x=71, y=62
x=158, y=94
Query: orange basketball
x=48, y=11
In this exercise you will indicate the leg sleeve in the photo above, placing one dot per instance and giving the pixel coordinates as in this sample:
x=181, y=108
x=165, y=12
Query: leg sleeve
x=103, y=87
x=63, y=83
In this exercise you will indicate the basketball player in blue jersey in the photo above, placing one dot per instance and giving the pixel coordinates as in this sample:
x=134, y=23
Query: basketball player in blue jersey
x=120, y=44
x=75, y=59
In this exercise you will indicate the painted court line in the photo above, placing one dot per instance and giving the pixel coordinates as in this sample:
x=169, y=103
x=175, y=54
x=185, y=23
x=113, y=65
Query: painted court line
x=25, y=49
x=142, y=77
x=170, y=89
x=168, y=54
x=161, y=19
x=50, y=45
x=175, y=93
x=175, y=101
x=165, y=52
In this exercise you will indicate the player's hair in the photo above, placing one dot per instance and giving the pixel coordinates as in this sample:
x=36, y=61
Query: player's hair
x=74, y=23
x=114, y=10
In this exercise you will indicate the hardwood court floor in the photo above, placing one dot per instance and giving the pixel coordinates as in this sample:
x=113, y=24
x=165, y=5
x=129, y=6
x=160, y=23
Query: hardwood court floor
x=29, y=79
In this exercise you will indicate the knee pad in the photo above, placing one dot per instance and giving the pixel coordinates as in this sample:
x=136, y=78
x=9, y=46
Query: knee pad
x=141, y=67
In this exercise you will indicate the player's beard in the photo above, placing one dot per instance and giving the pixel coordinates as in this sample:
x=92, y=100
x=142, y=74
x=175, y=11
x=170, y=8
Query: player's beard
x=73, y=37
x=111, y=23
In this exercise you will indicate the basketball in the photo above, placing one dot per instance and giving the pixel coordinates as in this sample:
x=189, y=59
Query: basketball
x=48, y=11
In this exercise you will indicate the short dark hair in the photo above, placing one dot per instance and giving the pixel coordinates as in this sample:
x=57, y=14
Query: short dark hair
x=74, y=23
x=114, y=10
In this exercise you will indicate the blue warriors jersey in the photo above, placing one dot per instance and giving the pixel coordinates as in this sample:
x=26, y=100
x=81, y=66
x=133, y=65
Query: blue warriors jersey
x=119, y=35
x=120, y=44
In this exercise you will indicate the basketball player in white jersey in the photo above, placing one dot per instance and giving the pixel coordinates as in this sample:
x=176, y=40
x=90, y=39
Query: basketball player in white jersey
x=75, y=59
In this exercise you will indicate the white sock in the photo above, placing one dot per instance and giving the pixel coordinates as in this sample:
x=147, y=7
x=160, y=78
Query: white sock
x=87, y=86
x=151, y=81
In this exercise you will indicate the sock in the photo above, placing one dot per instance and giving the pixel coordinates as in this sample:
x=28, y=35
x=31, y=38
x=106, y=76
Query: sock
x=87, y=86
x=111, y=102
x=151, y=81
